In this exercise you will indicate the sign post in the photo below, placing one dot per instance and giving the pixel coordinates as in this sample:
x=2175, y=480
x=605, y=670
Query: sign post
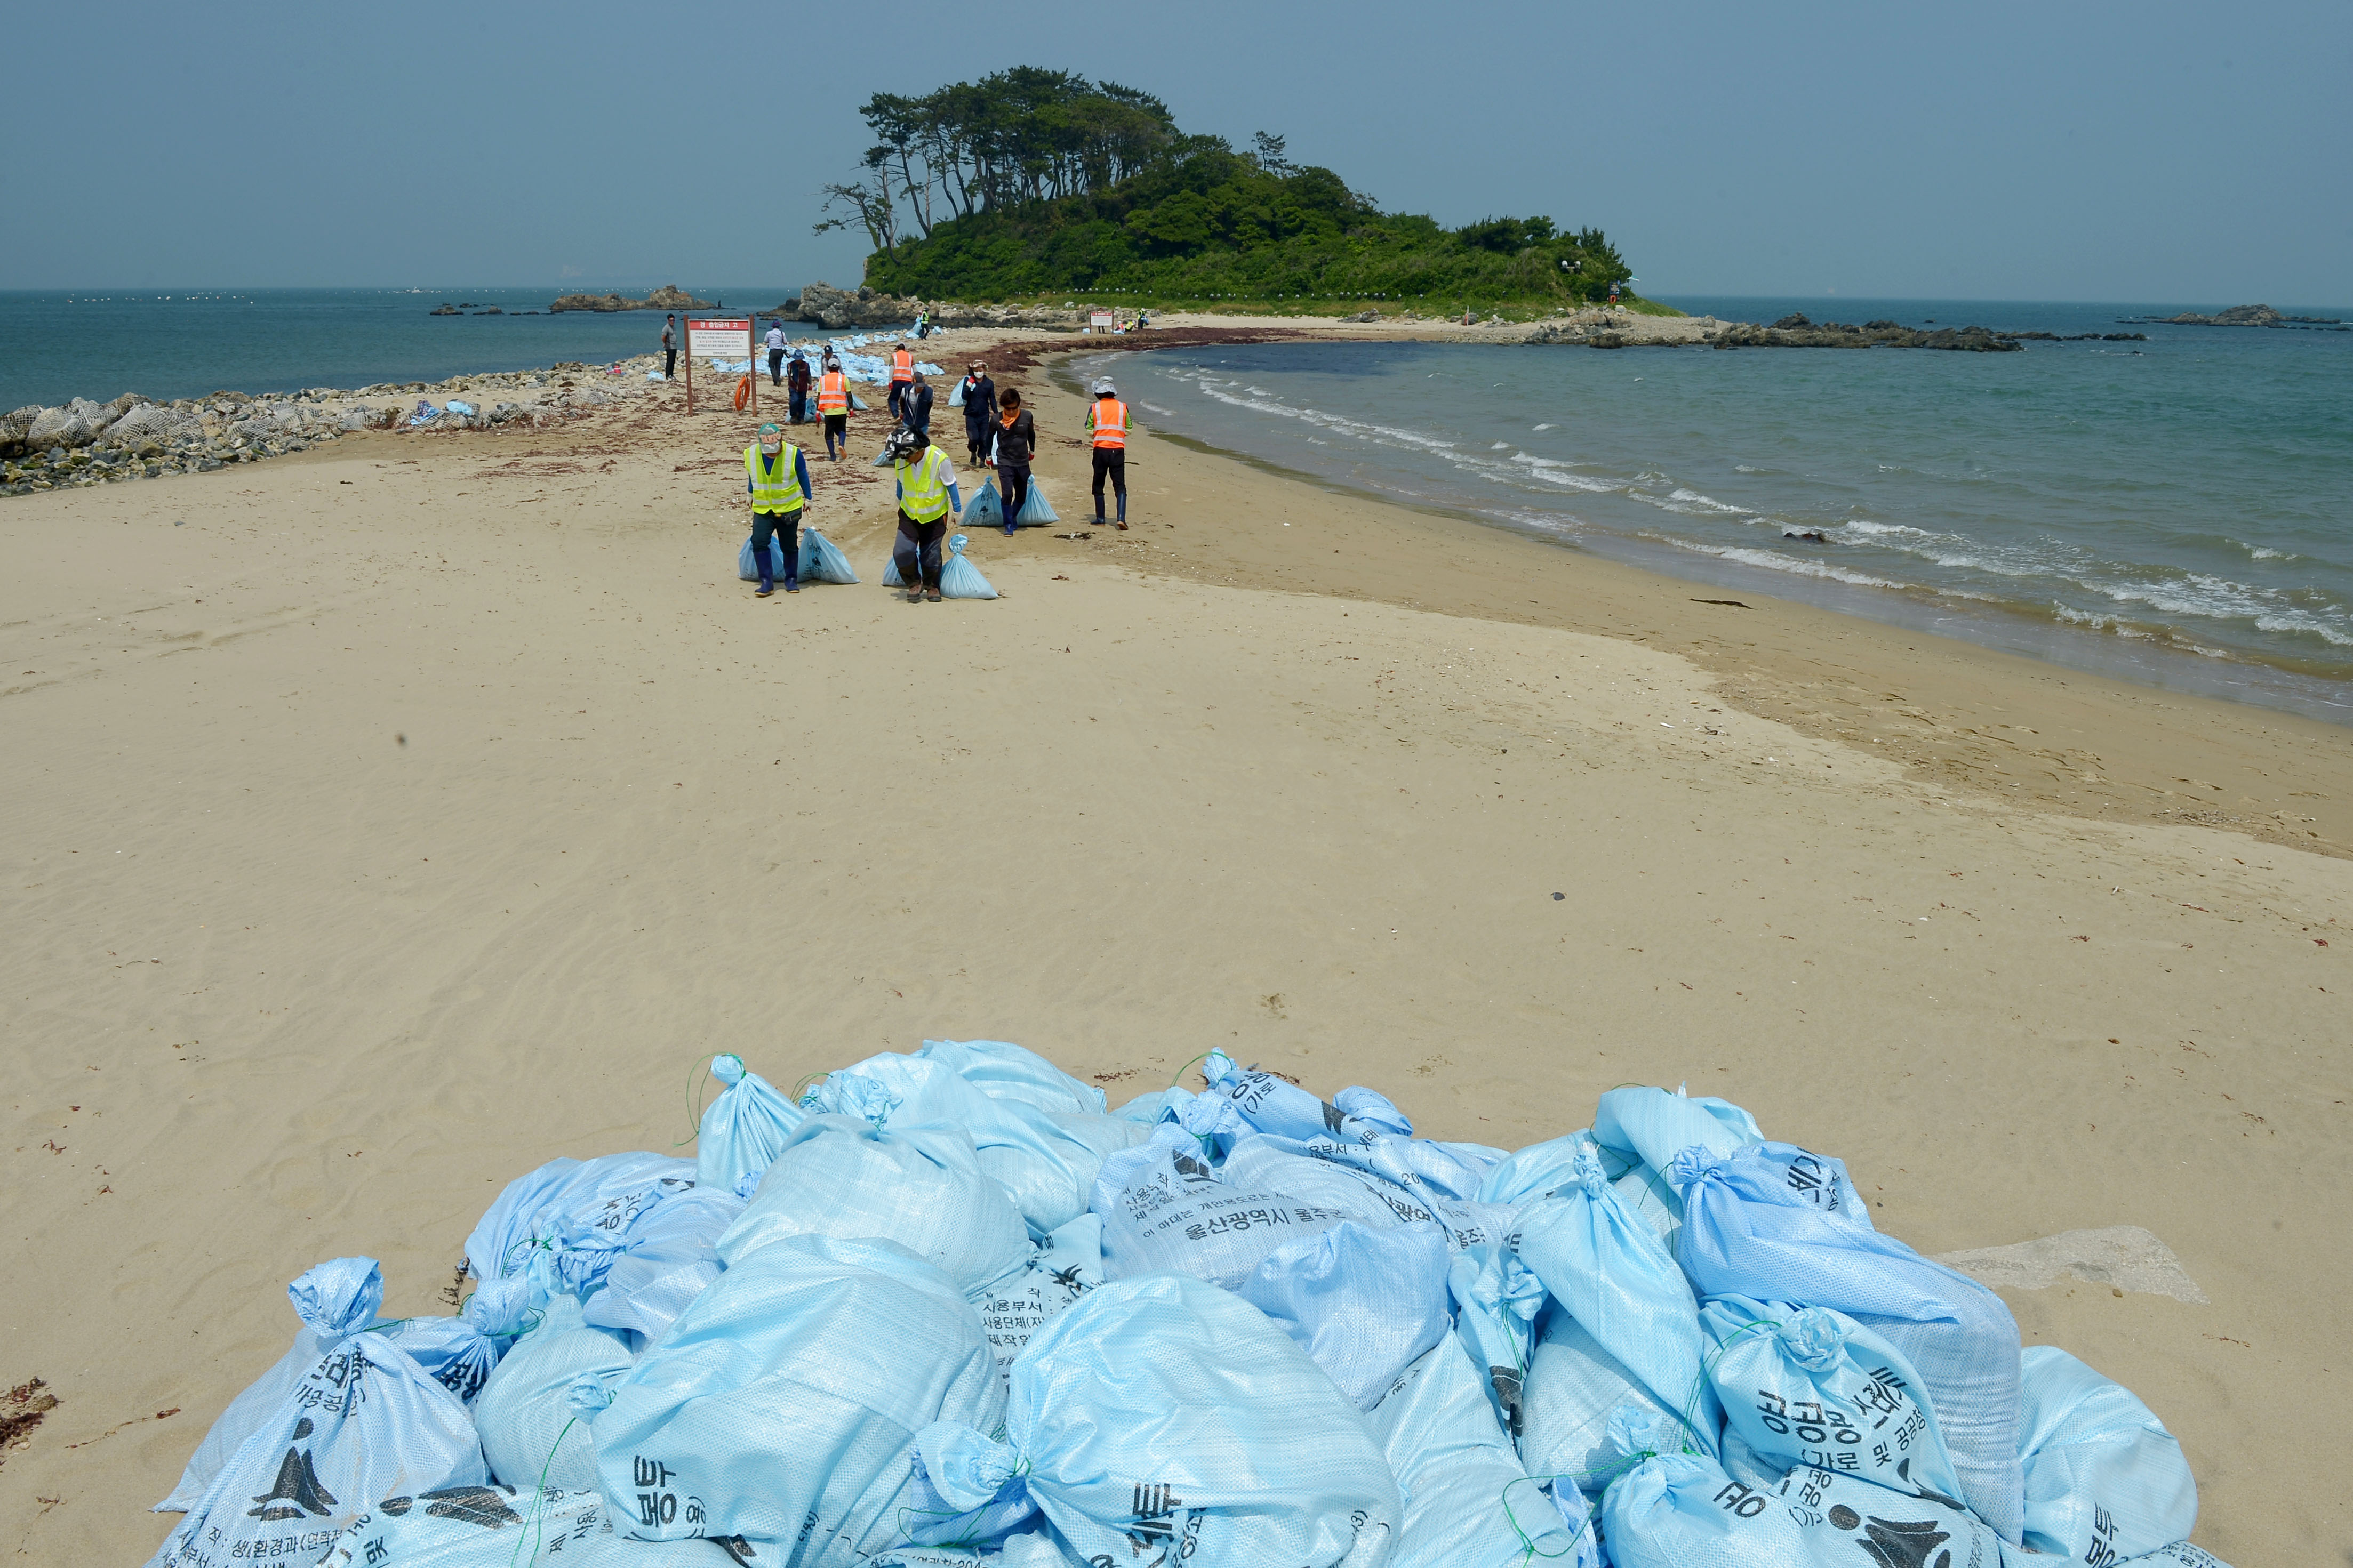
x=720, y=337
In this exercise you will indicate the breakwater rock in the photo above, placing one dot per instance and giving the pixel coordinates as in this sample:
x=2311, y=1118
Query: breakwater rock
x=827, y=306
x=668, y=297
x=85, y=443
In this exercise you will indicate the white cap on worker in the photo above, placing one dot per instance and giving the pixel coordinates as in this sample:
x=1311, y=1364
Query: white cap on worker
x=1104, y=388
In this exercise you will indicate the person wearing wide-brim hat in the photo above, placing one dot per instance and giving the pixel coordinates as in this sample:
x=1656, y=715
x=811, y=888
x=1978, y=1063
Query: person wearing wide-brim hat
x=777, y=476
x=979, y=414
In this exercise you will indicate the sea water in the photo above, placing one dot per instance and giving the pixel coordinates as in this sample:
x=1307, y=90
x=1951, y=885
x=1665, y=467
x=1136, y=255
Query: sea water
x=163, y=343
x=2178, y=510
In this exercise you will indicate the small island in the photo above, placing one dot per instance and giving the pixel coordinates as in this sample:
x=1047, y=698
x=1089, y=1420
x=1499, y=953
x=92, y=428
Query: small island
x=1037, y=186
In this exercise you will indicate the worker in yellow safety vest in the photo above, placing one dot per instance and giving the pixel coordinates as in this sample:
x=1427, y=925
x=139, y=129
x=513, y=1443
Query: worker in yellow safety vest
x=903, y=376
x=1107, y=430
x=833, y=407
x=927, y=498
x=777, y=476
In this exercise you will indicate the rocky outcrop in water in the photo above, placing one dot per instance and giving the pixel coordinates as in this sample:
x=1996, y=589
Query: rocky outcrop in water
x=1596, y=328
x=1794, y=331
x=2244, y=316
x=2236, y=316
x=668, y=297
x=2076, y=337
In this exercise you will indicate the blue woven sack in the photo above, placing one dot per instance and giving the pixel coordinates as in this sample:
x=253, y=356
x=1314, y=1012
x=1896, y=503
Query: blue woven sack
x=2105, y=1479
x=1682, y=1511
x=1639, y=1132
x=1497, y=1298
x=1774, y=1223
x=1811, y=1386
x=346, y=1418
x=506, y=1527
x=959, y=578
x=459, y=1353
x=570, y=1206
x=742, y=1129
x=1005, y=1072
x=1386, y=1179
x=1166, y=1210
x=666, y=1259
x=1047, y=1161
x=1013, y=1307
x=986, y=508
x=1468, y=1502
x=532, y=1435
x=1164, y=1417
x=1272, y=1105
x=1622, y=1351
x=1036, y=509
x=822, y=560
x=785, y=1403
x=1364, y=1303
x=922, y=1188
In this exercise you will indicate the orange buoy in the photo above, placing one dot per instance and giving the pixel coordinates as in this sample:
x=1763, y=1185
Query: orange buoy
x=742, y=394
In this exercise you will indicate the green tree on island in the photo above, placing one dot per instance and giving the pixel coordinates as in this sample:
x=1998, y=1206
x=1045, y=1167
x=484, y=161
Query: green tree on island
x=1030, y=183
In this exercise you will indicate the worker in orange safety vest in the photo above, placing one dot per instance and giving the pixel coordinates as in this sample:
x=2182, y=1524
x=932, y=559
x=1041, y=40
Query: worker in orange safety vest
x=833, y=407
x=1107, y=432
x=902, y=377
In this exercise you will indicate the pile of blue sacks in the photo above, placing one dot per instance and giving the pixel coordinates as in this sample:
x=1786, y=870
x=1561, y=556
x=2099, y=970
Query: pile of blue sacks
x=951, y=1308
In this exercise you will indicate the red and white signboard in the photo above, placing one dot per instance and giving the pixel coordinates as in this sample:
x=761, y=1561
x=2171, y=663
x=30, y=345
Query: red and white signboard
x=719, y=337
x=1102, y=322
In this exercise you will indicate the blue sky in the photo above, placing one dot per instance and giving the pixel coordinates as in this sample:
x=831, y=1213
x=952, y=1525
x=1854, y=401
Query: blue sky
x=2086, y=150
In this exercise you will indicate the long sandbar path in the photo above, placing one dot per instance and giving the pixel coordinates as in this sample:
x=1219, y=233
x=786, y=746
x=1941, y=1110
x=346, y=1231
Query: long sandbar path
x=394, y=817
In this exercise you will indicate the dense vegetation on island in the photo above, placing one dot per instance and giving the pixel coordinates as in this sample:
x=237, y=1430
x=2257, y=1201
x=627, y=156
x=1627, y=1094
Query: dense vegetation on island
x=1032, y=183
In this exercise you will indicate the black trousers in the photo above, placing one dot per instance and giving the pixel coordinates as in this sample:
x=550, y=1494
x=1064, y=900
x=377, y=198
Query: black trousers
x=775, y=367
x=1014, y=478
x=1110, y=460
x=670, y=363
x=800, y=402
x=785, y=528
x=836, y=428
x=898, y=389
x=917, y=554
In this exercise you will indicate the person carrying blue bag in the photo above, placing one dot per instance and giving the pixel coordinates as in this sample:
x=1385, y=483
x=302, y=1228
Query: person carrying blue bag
x=777, y=477
x=928, y=497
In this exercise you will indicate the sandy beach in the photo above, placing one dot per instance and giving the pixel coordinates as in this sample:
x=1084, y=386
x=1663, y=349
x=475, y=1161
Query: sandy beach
x=394, y=817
